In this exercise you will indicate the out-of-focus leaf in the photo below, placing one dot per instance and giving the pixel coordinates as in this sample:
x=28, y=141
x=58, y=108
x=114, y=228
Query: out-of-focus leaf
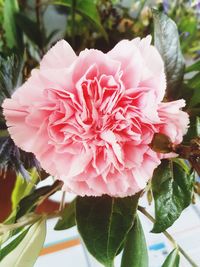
x=194, y=129
x=30, y=28
x=29, y=202
x=27, y=251
x=67, y=219
x=10, y=75
x=172, y=259
x=172, y=188
x=194, y=83
x=12, y=245
x=23, y=188
x=194, y=67
x=13, y=158
x=12, y=33
x=86, y=8
x=135, y=249
x=166, y=40
x=103, y=223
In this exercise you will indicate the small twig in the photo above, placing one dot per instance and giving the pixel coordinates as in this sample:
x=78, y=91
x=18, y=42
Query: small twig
x=169, y=237
x=62, y=203
x=25, y=221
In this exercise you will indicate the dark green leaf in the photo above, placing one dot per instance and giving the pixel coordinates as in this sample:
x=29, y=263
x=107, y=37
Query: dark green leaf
x=135, y=249
x=12, y=245
x=103, y=223
x=12, y=33
x=86, y=8
x=167, y=42
x=10, y=75
x=67, y=219
x=172, y=187
x=194, y=129
x=30, y=28
x=36, y=197
x=172, y=259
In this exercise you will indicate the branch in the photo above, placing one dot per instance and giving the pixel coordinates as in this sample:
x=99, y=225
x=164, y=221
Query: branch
x=169, y=237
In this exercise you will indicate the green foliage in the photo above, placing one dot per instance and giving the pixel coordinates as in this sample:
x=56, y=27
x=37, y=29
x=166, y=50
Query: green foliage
x=30, y=29
x=67, y=219
x=172, y=259
x=10, y=75
x=23, y=188
x=27, y=251
x=103, y=223
x=12, y=33
x=166, y=39
x=135, y=250
x=29, y=202
x=172, y=187
x=12, y=245
x=86, y=8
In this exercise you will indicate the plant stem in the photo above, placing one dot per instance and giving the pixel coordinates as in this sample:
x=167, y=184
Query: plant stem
x=169, y=237
x=25, y=221
x=62, y=203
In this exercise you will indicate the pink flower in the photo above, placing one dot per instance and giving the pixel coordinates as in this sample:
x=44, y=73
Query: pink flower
x=90, y=119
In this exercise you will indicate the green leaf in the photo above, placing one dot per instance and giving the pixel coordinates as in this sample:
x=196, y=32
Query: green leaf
x=86, y=8
x=10, y=75
x=67, y=219
x=23, y=188
x=194, y=67
x=135, y=249
x=12, y=33
x=172, y=187
x=103, y=223
x=172, y=259
x=30, y=28
x=166, y=40
x=27, y=252
x=194, y=129
x=12, y=245
x=29, y=202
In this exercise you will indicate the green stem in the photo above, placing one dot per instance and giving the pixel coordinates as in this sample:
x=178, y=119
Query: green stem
x=169, y=237
x=25, y=221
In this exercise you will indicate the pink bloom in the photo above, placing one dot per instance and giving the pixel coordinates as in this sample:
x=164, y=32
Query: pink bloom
x=89, y=119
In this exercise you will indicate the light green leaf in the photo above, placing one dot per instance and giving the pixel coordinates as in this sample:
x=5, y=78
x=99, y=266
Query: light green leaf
x=23, y=188
x=12, y=33
x=135, y=249
x=12, y=245
x=194, y=67
x=172, y=259
x=103, y=223
x=172, y=187
x=86, y=8
x=27, y=251
x=166, y=40
x=67, y=219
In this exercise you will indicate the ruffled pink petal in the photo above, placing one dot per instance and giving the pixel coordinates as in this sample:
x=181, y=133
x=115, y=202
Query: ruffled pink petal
x=61, y=55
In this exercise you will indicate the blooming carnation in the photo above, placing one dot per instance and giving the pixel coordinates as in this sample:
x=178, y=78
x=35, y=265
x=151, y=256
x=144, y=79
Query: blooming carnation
x=89, y=119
